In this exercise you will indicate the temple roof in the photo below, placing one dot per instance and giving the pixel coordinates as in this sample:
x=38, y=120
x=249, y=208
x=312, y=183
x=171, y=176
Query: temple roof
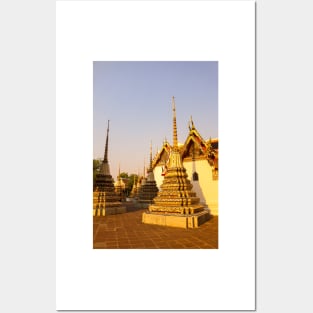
x=194, y=147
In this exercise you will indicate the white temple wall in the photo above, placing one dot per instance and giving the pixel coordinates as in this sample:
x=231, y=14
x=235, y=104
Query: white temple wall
x=157, y=175
x=206, y=188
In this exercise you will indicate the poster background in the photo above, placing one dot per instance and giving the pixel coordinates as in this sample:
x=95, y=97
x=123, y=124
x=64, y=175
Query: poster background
x=155, y=279
x=28, y=124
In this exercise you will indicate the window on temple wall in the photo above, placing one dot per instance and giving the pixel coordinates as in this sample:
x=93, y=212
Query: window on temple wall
x=195, y=176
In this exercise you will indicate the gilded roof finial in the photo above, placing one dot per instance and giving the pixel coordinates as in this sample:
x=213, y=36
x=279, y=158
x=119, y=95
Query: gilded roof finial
x=175, y=145
x=105, y=159
x=191, y=121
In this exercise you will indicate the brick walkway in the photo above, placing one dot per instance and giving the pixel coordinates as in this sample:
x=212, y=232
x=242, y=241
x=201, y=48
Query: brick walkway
x=125, y=231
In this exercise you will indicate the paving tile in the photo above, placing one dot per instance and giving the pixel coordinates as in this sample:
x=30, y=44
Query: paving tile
x=126, y=231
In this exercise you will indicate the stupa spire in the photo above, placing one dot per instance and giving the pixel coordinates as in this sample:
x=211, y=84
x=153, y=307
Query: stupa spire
x=150, y=166
x=175, y=158
x=175, y=145
x=105, y=159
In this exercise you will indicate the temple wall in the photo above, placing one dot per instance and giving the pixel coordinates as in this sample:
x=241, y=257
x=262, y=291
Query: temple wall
x=157, y=175
x=206, y=188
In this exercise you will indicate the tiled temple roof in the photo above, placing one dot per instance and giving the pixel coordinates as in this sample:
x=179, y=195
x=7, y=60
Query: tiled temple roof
x=209, y=147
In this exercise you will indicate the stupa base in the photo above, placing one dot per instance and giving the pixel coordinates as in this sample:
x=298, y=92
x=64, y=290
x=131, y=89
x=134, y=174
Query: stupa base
x=109, y=211
x=176, y=220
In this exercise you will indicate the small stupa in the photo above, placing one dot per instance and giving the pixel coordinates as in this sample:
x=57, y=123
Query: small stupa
x=133, y=193
x=176, y=204
x=144, y=178
x=119, y=186
x=105, y=199
x=148, y=189
x=139, y=182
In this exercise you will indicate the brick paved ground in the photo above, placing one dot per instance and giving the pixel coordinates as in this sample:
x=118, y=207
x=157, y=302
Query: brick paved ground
x=126, y=231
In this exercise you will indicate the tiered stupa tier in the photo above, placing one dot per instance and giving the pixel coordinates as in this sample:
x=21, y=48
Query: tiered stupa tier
x=176, y=204
x=148, y=189
x=105, y=200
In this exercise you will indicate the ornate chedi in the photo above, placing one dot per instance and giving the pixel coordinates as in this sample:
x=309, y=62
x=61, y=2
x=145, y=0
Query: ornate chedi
x=176, y=204
x=148, y=189
x=200, y=159
x=105, y=200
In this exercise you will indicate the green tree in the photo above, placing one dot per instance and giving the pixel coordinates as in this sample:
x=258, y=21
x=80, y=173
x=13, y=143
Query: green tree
x=124, y=175
x=96, y=169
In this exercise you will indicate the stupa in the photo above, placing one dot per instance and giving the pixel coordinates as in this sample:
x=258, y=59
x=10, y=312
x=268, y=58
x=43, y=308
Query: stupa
x=176, y=204
x=134, y=191
x=105, y=199
x=148, y=189
x=119, y=186
x=139, y=182
x=143, y=179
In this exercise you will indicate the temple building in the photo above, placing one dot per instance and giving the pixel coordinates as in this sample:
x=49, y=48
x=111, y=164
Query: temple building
x=176, y=204
x=200, y=159
x=105, y=199
x=148, y=189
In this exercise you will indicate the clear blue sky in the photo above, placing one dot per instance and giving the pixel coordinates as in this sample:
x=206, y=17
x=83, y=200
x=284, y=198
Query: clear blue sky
x=136, y=98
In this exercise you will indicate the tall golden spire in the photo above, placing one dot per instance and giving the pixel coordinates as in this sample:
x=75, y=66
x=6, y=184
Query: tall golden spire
x=175, y=145
x=105, y=159
x=175, y=158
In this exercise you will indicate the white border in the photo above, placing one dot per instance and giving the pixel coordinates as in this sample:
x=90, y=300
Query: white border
x=222, y=279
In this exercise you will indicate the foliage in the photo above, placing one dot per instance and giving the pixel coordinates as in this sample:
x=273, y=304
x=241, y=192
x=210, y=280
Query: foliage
x=124, y=175
x=96, y=168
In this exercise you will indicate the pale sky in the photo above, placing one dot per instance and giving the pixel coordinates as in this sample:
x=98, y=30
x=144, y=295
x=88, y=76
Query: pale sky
x=136, y=98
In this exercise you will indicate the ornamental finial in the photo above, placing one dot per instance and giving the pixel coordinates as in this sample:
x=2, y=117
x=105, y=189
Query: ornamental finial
x=175, y=145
